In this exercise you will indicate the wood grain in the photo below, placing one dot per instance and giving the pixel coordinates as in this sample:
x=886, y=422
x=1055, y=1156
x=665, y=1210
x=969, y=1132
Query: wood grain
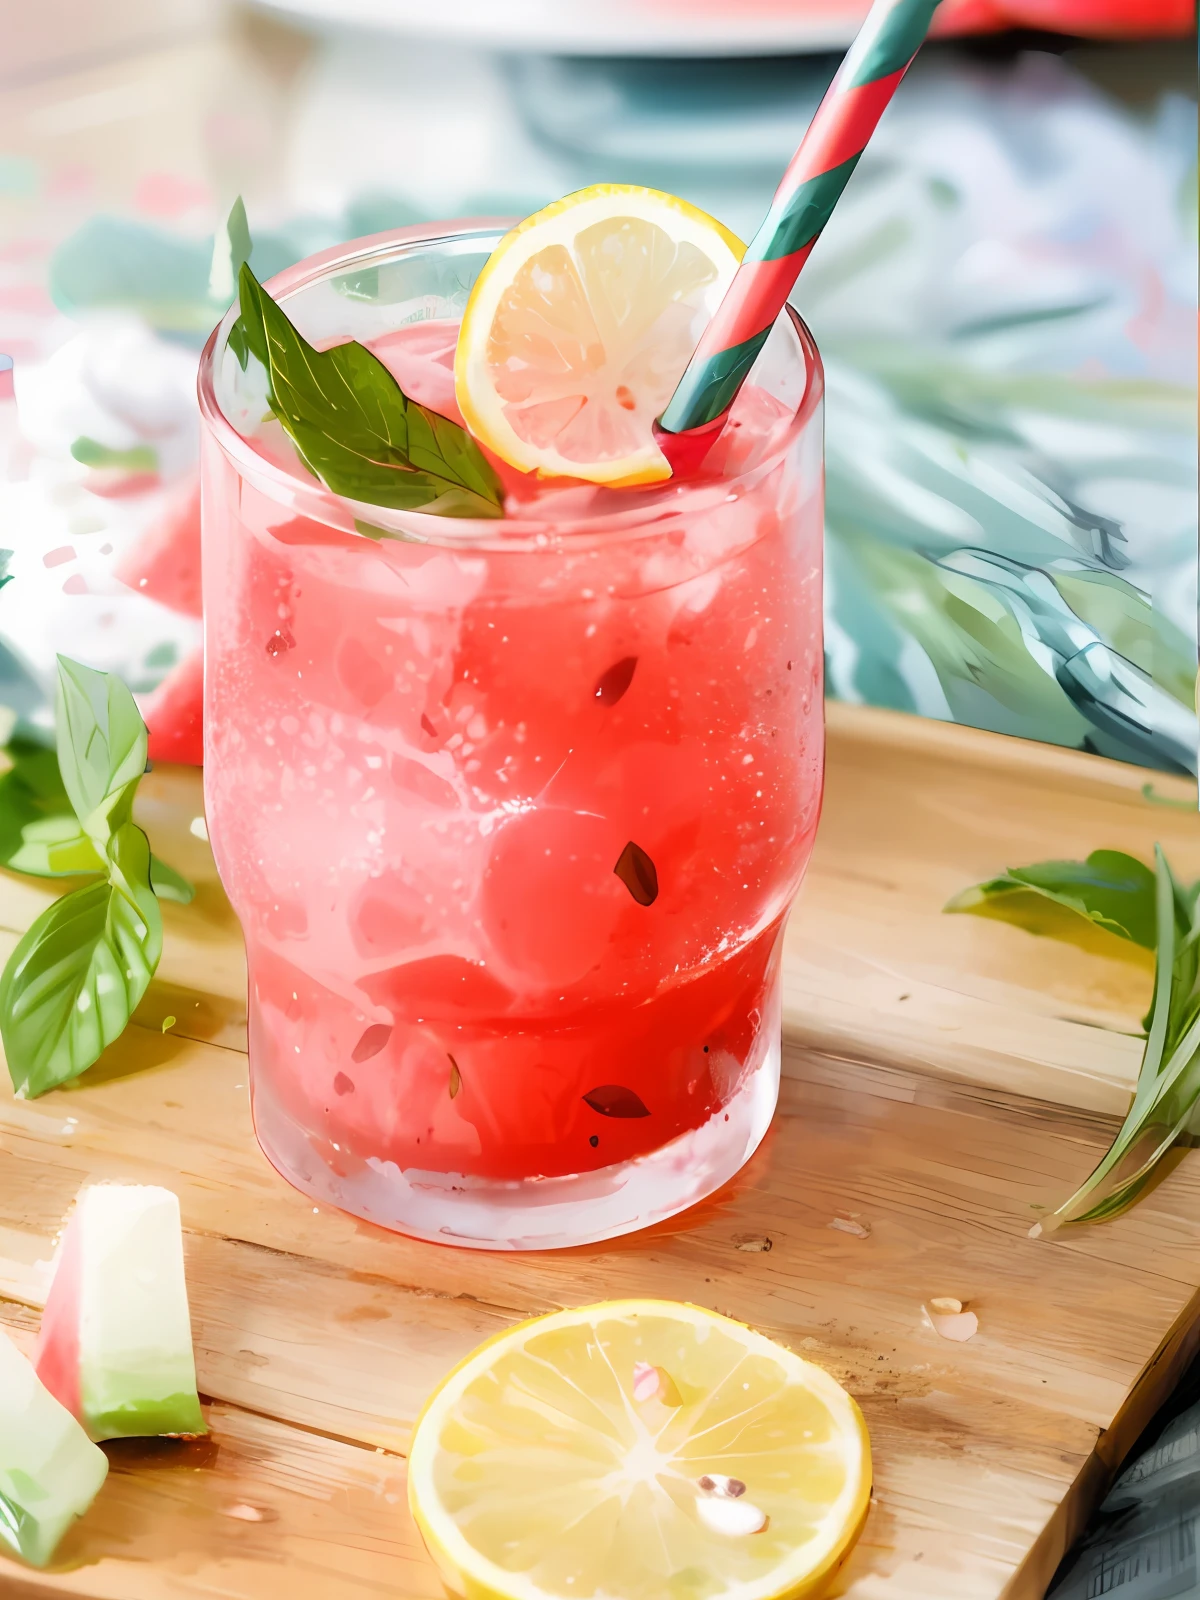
x=916, y=811
x=318, y=1337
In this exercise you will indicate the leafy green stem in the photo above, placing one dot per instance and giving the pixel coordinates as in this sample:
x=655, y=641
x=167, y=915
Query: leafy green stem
x=1118, y=894
x=72, y=983
x=353, y=425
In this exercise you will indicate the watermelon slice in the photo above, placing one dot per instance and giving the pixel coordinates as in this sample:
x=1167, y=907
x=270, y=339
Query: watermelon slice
x=174, y=714
x=50, y=1471
x=165, y=566
x=165, y=562
x=116, y=1341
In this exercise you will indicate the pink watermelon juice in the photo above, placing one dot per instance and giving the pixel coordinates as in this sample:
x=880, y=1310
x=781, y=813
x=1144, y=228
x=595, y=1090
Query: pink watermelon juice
x=512, y=812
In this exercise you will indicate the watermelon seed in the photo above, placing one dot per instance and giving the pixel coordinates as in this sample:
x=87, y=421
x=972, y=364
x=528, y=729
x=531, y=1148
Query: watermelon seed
x=614, y=1100
x=372, y=1042
x=612, y=684
x=638, y=873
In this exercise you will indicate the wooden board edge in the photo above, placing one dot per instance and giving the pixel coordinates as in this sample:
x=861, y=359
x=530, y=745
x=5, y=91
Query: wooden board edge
x=1156, y=1382
x=954, y=742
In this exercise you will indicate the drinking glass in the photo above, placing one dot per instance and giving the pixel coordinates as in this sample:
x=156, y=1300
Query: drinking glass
x=512, y=811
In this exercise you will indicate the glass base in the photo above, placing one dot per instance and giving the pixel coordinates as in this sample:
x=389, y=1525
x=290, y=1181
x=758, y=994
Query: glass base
x=537, y=1213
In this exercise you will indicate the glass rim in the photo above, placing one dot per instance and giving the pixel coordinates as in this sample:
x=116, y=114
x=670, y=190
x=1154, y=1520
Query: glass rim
x=510, y=533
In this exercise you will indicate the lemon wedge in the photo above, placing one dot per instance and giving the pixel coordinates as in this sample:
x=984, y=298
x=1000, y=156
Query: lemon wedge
x=536, y=1472
x=580, y=325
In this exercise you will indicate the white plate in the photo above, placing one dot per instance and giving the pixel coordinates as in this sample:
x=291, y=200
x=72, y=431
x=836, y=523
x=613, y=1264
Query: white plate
x=610, y=27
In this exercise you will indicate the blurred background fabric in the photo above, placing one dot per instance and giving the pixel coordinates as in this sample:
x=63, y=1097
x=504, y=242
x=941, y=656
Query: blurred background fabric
x=1142, y=1544
x=1005, y=300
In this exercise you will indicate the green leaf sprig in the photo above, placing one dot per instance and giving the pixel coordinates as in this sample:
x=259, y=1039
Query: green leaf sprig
x=1120, y=894
x=353, y=425
x=1111, y=890
x=73, y=981
x=40, y=834
x=232, y=246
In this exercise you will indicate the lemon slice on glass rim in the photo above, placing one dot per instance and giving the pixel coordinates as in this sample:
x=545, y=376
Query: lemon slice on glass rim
x=580, y=325
x=638, y=1449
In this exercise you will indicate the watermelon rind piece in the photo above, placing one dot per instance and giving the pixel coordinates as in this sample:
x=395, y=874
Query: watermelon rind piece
x=137, y=1374
x=117, y=1315
x=50, y=1471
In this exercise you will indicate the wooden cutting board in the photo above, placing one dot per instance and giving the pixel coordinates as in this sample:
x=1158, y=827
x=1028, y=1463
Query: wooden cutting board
x=944, y=1078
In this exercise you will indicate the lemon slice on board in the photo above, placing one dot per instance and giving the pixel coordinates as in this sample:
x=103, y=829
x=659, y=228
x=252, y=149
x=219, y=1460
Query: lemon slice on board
x=642, y=1450
x=581, y=324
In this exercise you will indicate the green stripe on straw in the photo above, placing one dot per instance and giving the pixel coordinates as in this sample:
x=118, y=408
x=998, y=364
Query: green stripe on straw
x=900, y=35
x=818, y=173
x=805, y=212
x=725, y=373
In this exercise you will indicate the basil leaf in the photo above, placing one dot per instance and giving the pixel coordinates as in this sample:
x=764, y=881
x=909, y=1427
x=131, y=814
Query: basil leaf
x=30, y=790
x=1111, y=890
x=355, y=428
x=169, y=884
x=40, y=834
x=56, y=847
x=101, y=747
x=70, y=986
x=129, y=872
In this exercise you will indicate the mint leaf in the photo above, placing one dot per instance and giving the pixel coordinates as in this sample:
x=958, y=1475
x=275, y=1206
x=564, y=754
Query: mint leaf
x=355, y=428
x=90, y=453
x=72, y=983
x=231, y=249
x=246, y=338
x=1111, y=890
x=236, y=341
x=101, y=747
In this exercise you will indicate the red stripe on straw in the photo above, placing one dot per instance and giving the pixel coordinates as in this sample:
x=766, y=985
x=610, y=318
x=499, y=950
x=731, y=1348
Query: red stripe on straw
x=837, y=135
x=759, y=288
x=846, y=120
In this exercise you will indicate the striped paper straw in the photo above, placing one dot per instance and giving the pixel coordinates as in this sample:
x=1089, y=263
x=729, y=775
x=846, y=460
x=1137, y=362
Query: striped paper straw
x=846, y=118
